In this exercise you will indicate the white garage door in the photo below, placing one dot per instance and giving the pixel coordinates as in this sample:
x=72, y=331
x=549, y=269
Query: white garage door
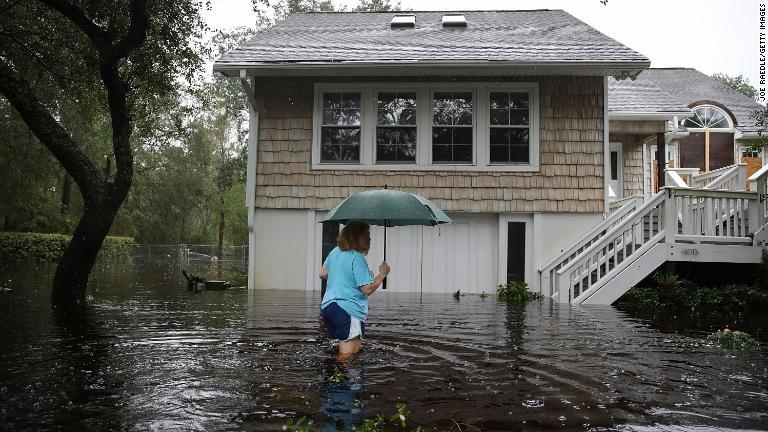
x=442, y=259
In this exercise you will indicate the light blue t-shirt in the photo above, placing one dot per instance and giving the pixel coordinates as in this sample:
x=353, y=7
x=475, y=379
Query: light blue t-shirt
x=347, y=272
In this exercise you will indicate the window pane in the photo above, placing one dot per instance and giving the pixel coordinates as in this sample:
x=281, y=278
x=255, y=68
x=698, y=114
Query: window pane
x=441, y=135
x=462, y=135
x=499, y=153
x=499, y=136
x=452, y=108
x=463, y=108
x=350, y=100
x=332, y=100
x=395, y=108
x=518, y=117
x=499, y=117
x=519, y=154
x=462, y=153
x=518, y=136
x=519, y=100
x=406, y=153
x=407, y=136
x=386, y=135
x=385, y=152
x=340, y=144
x=342, y=109
x=510, y=145
x=441, y=153
x=499, y=100
x=614, y=165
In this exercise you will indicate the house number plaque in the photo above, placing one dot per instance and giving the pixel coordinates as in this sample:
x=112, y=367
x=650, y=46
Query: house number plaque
x=690, y=251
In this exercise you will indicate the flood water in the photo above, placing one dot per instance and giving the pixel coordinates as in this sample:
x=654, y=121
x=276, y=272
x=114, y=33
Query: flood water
x=147, y=355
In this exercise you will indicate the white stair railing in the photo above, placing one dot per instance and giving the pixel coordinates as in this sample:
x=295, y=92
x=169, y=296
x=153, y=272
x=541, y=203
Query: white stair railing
x=547, y=272
x=758, y=182
x=732, y=177
x=674, y=215
x=643, y=228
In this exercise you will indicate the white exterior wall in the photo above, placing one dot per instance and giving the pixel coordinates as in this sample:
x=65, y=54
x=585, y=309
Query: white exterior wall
x=553, y=232
x=280, y=251
x=469, y=255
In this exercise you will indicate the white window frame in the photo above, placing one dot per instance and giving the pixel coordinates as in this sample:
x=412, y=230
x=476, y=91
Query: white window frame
x=728, y=119
x=424, y=94
x=533, y=120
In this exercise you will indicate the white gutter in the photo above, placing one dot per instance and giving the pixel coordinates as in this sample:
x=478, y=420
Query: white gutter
x=628, y=115
x=250, y=182
x=362, y=67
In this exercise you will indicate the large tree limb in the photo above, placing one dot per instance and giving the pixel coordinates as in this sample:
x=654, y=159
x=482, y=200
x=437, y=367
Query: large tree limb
x=96, y=34
x=50, y=132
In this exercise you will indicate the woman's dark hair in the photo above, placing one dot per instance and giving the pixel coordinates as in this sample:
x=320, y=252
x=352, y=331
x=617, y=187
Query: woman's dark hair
x=349, y=237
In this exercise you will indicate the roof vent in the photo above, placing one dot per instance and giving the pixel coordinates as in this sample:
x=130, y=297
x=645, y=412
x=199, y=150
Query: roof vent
x=403, y=21
x=454, y=20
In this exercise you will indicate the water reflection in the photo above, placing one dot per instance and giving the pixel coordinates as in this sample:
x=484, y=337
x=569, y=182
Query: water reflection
x=148, y=355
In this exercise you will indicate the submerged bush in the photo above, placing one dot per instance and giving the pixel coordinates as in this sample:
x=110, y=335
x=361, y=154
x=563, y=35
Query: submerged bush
x=733, y=339
x=517, y=292
x=49, y=247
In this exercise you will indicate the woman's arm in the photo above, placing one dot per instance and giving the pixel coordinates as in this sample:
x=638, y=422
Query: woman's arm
x=383, y=272
x=323, y=272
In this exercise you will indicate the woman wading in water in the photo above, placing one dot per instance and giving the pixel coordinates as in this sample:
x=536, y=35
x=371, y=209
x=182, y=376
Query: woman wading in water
x=350, y=282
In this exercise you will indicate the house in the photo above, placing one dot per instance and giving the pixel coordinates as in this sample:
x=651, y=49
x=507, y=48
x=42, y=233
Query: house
x=720, y=130
x=499, y=117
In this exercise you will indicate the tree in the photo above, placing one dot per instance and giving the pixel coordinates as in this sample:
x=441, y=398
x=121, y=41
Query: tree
x=376, y=6
x=738, y=83
x=122, y=58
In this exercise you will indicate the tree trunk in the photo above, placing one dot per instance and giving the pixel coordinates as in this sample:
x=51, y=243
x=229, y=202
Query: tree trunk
x=66, y=191
x=71, y=278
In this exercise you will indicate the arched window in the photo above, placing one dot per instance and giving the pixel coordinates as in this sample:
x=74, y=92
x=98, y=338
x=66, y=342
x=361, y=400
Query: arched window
x=708, y=116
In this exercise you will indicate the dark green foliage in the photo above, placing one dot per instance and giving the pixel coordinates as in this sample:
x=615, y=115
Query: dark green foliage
x=517, y=292
x=49, y=247
x=735, y=298
x=396, y=422
x=739, y=83
x=735, y=339
x=376, y=6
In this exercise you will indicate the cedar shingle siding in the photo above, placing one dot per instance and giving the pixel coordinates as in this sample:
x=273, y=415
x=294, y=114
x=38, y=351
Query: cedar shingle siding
x=571, y=157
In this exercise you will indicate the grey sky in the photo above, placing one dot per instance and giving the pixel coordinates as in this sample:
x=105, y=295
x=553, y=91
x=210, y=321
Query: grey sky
x=709, y=35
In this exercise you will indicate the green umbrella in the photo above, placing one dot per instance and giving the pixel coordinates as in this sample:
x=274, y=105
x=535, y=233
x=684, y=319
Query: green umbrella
x=387, y=208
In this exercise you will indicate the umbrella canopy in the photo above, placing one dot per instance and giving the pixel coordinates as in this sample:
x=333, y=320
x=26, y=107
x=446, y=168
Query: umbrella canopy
x=387, y=208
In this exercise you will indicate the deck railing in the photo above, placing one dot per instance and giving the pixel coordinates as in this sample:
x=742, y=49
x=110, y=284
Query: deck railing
x=758, y=182
x=732, y=177
x=674, y=215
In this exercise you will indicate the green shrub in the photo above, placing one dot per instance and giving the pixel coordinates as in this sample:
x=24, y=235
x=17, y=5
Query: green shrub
x=49, y=247
x=733, y=339
x=516, y=292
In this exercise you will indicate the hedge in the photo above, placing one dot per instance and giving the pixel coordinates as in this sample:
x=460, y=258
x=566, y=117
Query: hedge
x=19, y=245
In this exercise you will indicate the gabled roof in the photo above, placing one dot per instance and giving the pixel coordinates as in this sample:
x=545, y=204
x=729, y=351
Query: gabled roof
x=685, y=86
x=641, y=97
x=532, y=41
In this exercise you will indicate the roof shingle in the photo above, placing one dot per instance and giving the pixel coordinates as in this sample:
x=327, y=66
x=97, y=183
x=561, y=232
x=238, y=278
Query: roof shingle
x=539, y=36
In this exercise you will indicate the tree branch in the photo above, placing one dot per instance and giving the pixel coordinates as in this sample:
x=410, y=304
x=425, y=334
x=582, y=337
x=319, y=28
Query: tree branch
x=50, y=132
x=96, y=34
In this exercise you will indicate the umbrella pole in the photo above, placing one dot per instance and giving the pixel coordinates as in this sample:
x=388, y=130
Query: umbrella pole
x=384, y=286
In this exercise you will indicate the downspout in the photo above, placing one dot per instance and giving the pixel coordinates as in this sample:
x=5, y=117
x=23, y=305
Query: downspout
x=675, y=133
x=606, y=149
x=250, y=182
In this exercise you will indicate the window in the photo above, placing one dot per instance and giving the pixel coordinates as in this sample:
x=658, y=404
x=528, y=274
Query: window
x=340, y=128
x=509, y=119
x=426, y=126
x=452, y=129
x=707, y=116
x=396, y=127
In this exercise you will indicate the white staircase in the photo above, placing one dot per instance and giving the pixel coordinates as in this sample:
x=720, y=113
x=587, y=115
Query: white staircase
x=713, y=222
